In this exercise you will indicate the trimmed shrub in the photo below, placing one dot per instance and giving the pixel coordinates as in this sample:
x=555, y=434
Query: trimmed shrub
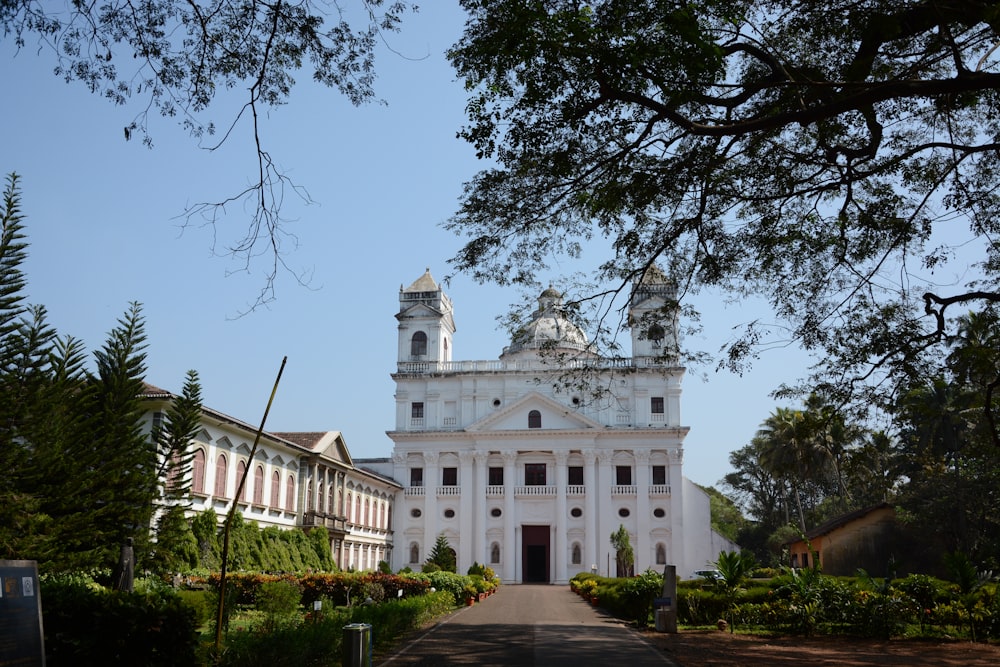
x=89, y=625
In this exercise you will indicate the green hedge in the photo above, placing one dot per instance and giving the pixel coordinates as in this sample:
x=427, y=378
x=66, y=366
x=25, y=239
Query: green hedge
x=339, y=588
x=86, y=624
x=318, y=641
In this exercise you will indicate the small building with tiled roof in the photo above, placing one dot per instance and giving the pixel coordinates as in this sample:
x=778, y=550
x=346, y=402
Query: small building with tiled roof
x=867, y=538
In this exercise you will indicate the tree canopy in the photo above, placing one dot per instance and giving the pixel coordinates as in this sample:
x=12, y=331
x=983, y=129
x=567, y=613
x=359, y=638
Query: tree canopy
x=839, y=159
x=178, y=58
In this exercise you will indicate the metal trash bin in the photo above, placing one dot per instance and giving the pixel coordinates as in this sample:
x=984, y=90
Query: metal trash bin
x=357, y=645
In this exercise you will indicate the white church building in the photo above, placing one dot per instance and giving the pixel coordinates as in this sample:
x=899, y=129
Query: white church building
x=528, y=473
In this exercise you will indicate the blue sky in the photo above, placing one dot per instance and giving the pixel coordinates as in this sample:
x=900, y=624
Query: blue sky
x=102, y=221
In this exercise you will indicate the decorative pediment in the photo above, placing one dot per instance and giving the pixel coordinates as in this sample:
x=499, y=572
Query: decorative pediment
x=554, y=416
x=418, y=310
x=333, y=447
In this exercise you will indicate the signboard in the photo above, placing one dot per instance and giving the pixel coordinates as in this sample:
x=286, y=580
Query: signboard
x=21, y=640
x=661, y=602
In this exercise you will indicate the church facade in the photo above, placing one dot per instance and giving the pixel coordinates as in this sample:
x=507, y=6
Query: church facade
x=528, y=463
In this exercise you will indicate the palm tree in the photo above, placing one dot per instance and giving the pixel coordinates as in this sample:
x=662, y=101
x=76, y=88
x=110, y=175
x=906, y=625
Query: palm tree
x=790, y=453
x=734, y=570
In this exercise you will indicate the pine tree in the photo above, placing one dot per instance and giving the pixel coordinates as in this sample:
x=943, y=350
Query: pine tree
x=173, y=438
x=442, y=555
x=12, y=450
x=116, y=461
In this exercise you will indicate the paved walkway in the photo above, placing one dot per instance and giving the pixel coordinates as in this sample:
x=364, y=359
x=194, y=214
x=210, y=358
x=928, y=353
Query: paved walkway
x=528, y=625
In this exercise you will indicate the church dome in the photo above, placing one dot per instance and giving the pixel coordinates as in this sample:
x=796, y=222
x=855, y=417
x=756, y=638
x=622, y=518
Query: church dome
x=548, y=330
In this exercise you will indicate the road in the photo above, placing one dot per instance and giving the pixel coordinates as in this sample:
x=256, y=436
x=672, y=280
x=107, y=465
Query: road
x=528, y=625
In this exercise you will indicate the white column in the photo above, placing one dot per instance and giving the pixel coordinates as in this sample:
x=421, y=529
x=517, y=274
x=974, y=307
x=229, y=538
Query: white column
x=466, y=511
x=643, y=523
x=479, y=508
x=431, y=519
x=559, y=525
x=675, y=552
x=510, y=549
x=590, y=551
x=607, y=518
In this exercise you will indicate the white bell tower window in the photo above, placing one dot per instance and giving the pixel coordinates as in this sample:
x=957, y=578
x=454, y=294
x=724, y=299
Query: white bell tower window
x=418, y=345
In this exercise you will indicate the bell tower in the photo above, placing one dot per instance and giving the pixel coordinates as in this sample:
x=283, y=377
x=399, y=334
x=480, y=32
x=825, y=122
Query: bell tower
x=426, y=322
x=652, y=317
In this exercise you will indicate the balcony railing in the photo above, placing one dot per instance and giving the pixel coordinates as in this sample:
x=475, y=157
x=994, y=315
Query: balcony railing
x=659, y=490
x=576, y=490
x=495, y=366
x=414, y=491
x=449, y=491
x=623, y=490
x=310, y=519
x=494, y=490
x=535, y=490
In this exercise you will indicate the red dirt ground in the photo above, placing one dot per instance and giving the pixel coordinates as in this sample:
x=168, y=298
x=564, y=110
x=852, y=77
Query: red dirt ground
x=706, y=648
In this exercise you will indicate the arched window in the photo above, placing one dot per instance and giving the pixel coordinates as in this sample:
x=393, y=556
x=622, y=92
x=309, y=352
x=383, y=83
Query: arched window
x=494, y=553
x=577, y=557
x=381, y=515
x=258, y=485
x=418, y=344
x=276, y=490
x=414, y=552
x=329, y=498
x=309, y=497
x=198, y=472
x=534, y=419
x=350, y=506
x=290, y=493
x=357, y=510
x=368, y=515
x=174, y=481
x=656, y=335
x=221, y=474
x=322, y=496
x=661, y=554
x=241, y=470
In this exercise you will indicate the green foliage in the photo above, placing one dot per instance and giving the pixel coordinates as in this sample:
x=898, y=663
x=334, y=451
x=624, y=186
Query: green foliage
x=318, y=640
x=176, y=548
x=655, y=126
x=450, y=582
x=639, y=593
x=172, y=438
x=442, y=555
x=734, y=572
x=279, y=601
x=624, y=554
x=205, y=528
x=727, y=520
x=88, y=625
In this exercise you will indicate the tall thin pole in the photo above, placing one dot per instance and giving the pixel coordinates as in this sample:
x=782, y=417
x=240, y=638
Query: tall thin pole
x=232, y=513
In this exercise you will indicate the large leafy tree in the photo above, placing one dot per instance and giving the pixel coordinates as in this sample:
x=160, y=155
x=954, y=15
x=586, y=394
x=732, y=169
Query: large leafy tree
x=180, y=57
x=951, y=462
x=838, y=158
